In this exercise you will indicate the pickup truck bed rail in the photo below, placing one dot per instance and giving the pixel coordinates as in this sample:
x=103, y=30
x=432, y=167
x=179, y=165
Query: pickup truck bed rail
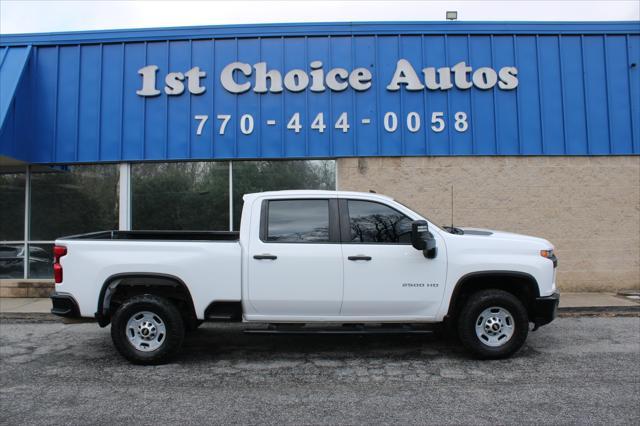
x=158, y=235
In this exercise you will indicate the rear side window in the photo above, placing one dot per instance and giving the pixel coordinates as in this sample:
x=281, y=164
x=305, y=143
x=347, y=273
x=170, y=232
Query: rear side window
x=371, y=222
x=298, y=221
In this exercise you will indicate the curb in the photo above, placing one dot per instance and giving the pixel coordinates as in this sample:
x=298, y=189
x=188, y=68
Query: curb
x=29, y=317
x=599, y=311
x=37, y=317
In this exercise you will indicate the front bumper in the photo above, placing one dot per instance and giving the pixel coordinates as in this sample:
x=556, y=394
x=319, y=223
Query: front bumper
x=545, y=309
x=64, y=305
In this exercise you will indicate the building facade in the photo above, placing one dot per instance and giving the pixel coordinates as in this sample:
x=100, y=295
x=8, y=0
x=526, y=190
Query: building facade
x=526, y=127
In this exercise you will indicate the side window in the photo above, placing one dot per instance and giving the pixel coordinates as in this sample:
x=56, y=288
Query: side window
x=371, y=222
x=298, y=221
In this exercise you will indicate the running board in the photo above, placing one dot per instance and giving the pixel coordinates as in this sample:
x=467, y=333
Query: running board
x=350, y=330
x=222, y=318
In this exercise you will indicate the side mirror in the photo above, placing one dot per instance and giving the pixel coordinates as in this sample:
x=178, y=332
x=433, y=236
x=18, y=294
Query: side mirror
x=422, y=239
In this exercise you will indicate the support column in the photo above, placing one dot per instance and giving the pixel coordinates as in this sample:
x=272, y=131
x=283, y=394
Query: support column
x=125, y=197
x=230, y=196
x=27, y=216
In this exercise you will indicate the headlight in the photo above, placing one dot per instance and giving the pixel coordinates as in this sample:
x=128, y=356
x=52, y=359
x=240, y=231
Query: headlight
x=549, y=254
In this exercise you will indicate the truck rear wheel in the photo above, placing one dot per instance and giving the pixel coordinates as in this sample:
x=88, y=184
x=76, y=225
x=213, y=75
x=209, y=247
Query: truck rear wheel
x=493, y=324
x=147, y=329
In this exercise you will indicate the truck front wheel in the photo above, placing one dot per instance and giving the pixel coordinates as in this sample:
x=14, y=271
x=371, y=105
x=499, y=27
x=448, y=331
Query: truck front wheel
x=147, y=329
x=493, y=324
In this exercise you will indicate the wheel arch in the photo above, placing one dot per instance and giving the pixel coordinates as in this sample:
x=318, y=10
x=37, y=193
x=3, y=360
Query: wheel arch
x=130, y=283
x=521, y=284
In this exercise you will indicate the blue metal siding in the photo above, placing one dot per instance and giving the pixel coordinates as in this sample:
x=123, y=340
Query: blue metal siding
x=578, y=93
x=633, y=56
x=15, y=90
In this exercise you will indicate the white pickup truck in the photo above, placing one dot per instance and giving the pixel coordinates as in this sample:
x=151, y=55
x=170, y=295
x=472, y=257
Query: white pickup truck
x=309, y=261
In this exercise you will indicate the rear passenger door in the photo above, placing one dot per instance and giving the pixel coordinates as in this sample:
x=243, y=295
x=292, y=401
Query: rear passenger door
x=295, y=266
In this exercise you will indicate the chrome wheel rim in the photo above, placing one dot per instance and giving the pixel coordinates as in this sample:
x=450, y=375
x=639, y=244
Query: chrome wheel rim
x=495, y=326
x=146, y=331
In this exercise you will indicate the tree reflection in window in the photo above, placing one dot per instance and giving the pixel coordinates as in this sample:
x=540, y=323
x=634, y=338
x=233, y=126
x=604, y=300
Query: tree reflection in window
x=376, y=223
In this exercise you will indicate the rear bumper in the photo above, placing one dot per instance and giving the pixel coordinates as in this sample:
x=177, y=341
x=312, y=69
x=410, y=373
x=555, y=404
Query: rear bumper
x=545, y=309
x=64, y=305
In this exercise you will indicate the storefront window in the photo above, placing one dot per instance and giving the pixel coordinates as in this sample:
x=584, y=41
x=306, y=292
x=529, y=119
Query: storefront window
x=164, y=196
x=11, y=260
x=12, y=206
x=12, y=189
x=40, y=260
x=258, y=176
x=75, y=200
x=180, y=196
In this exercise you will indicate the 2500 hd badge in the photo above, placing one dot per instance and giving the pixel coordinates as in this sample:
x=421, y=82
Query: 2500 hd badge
x=419, y=285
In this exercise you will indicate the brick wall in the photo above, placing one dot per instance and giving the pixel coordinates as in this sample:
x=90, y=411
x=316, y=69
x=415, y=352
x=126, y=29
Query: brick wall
x=588, y=207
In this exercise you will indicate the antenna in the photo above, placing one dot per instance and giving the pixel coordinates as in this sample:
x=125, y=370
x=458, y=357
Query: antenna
x=451, y=205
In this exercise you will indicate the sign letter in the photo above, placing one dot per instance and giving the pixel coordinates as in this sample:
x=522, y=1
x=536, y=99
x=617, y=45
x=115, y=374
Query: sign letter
x=444, y=75
x=485, y=78
x=508, y=79
x=148, y=74
x=332, y=79
x=261, y=79
x=360, y=79
x=193, y=77
x=226, y=77
x=460, y=71
x=405, y=74
x=296, y=80
x=174, y=82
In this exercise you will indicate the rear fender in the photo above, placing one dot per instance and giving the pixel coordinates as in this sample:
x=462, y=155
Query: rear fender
x=151, y=280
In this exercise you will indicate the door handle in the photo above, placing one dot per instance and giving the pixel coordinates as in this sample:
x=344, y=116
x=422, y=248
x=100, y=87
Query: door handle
x=265, y=257
x=360, y=257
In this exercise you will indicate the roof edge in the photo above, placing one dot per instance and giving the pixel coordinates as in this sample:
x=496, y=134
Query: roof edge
x=322, y=28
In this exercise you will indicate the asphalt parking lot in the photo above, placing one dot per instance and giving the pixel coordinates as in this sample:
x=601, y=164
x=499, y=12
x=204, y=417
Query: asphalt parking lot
x=575, y=370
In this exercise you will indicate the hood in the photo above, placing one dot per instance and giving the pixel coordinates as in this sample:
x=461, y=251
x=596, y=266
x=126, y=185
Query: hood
x=490, y=233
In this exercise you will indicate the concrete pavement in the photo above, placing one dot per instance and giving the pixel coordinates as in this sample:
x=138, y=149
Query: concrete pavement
x=25, y=305
x=573, y=371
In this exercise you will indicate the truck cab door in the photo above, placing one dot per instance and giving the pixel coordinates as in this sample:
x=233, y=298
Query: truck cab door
x=384, y=276
x=295, y=260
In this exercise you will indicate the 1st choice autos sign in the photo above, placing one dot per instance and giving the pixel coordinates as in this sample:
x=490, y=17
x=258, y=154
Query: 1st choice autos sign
x=239, y=78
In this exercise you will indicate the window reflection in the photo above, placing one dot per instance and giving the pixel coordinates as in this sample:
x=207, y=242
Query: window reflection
x=376, y=223
x=180, y=196
x=11, y=260
x=40, y=260
x=73, y=201
x=12, y=206
x=298, y=221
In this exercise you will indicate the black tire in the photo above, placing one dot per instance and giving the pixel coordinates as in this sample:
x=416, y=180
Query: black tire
x=168, y=315
x=475, y=305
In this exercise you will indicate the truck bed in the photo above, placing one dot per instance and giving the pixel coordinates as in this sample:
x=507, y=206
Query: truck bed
x=158, y=235
x=207, y=263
